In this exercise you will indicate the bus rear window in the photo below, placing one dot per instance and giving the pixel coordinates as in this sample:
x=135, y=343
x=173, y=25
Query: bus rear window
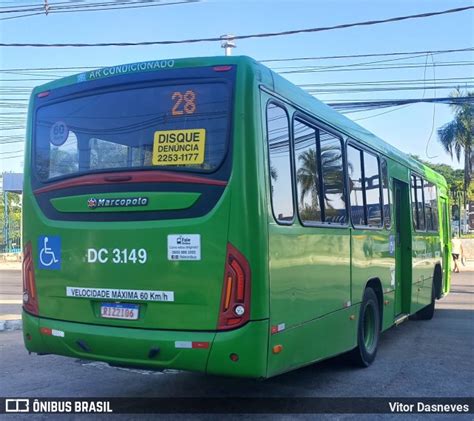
x=172, y=127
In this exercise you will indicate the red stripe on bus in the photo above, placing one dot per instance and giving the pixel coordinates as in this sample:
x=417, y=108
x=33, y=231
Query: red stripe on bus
x=201, y=345
x=130, y=177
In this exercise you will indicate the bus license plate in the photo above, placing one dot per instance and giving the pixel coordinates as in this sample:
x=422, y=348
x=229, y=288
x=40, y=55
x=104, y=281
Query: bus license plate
x=119, y=311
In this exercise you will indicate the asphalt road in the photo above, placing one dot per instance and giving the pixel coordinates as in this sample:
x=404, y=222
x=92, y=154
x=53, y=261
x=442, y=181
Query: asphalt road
x=416, y=359
x=10, y=293
x=10, y=284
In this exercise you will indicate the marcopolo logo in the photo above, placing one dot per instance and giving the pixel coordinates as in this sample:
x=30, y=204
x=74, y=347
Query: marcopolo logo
x=94, y=203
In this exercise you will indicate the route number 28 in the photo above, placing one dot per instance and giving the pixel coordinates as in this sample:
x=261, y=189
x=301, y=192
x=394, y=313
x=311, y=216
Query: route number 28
x=183, y=103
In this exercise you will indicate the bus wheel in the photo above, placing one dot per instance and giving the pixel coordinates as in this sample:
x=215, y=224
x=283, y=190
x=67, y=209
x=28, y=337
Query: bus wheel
x=427, y=312
x=368, y=330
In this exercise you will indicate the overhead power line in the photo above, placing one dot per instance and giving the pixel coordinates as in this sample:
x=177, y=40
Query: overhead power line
x=400, y=53
x=41, y=6
x=384, y=82
x=384, y=89
x=11, y=152
x=383, y=54
x=24, y=91
x=91, y=7
x=367, y=105
x=13, y=157
x=348, y=68
x=317, y=89
x=241, y=37
x=77, y=6
x=13, y=75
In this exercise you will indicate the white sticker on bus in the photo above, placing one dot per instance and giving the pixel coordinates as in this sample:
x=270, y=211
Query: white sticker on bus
x=183, y=344
x=392, y=276
x=59, y=333
x=120, y=294
x=184, y=247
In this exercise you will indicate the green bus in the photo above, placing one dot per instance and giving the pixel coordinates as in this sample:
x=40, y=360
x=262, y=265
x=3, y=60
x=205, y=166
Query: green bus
x=207, y=215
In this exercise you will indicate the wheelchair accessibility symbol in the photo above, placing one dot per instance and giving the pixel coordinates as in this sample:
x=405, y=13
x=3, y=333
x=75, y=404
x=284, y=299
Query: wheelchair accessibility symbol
x=49, y=248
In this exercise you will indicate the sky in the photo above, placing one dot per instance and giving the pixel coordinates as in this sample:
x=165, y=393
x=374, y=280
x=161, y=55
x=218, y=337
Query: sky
x=410, y=128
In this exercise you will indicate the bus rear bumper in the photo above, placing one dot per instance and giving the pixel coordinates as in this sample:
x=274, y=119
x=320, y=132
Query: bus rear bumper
x=153, y=349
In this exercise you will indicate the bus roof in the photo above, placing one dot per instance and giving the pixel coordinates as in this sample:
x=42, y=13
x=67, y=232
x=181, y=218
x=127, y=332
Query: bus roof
x=272, y=81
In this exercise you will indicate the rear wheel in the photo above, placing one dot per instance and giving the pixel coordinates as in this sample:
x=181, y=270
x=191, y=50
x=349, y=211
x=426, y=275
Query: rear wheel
x=427, y=312
x=368, y=331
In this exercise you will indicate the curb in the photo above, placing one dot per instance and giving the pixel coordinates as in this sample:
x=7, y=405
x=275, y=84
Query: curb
x=8, y=325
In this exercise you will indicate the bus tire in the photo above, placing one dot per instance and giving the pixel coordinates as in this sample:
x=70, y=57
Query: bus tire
x=426, y=313
x=368, y=330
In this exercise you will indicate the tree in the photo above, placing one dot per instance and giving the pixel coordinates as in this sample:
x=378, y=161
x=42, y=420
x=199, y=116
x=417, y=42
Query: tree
x=14, y=213
x=457, y=135
x=307, y=177
x=454, y=178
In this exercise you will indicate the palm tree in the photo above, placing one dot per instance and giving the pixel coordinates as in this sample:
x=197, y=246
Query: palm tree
x=273, y=176
x=307, y=177
x=273, y=173
x=457, y=135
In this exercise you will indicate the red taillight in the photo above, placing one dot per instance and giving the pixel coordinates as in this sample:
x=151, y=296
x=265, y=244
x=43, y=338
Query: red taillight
x=235, y=303
x=30, y=299
x=222, y=68
x=240, y=287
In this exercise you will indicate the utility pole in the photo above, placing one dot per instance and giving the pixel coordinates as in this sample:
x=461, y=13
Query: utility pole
x=6, y=228
x=459, y=207
x=228, y=43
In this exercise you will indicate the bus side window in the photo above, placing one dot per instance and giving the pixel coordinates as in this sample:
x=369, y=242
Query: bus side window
x=420, y=204
x=333, y=178
x=417, y=202
x=278, y=138
x=385, y=194
x=434, y=201
x=372, y=190
x=413, y=202
x=307, y=172
x=431, y=206
x=356, y=189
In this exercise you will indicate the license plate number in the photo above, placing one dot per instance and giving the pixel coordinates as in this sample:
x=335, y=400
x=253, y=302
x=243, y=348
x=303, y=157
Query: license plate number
x=119, y=311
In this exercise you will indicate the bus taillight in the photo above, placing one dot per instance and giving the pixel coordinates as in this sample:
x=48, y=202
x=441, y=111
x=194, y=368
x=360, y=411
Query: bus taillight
x=30, y=299
x=222, y=68
x=235, y=303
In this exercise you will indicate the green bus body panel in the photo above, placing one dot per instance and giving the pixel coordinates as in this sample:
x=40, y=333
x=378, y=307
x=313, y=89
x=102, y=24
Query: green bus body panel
x=314, y=340
x=388, y=310
x=445, y=229
x=371, y=260
x=156, y=201
x=250, y=343
x=106, y=343
x=426, y=252
x=196, y=285
x=299, y=292
x=309, y=279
